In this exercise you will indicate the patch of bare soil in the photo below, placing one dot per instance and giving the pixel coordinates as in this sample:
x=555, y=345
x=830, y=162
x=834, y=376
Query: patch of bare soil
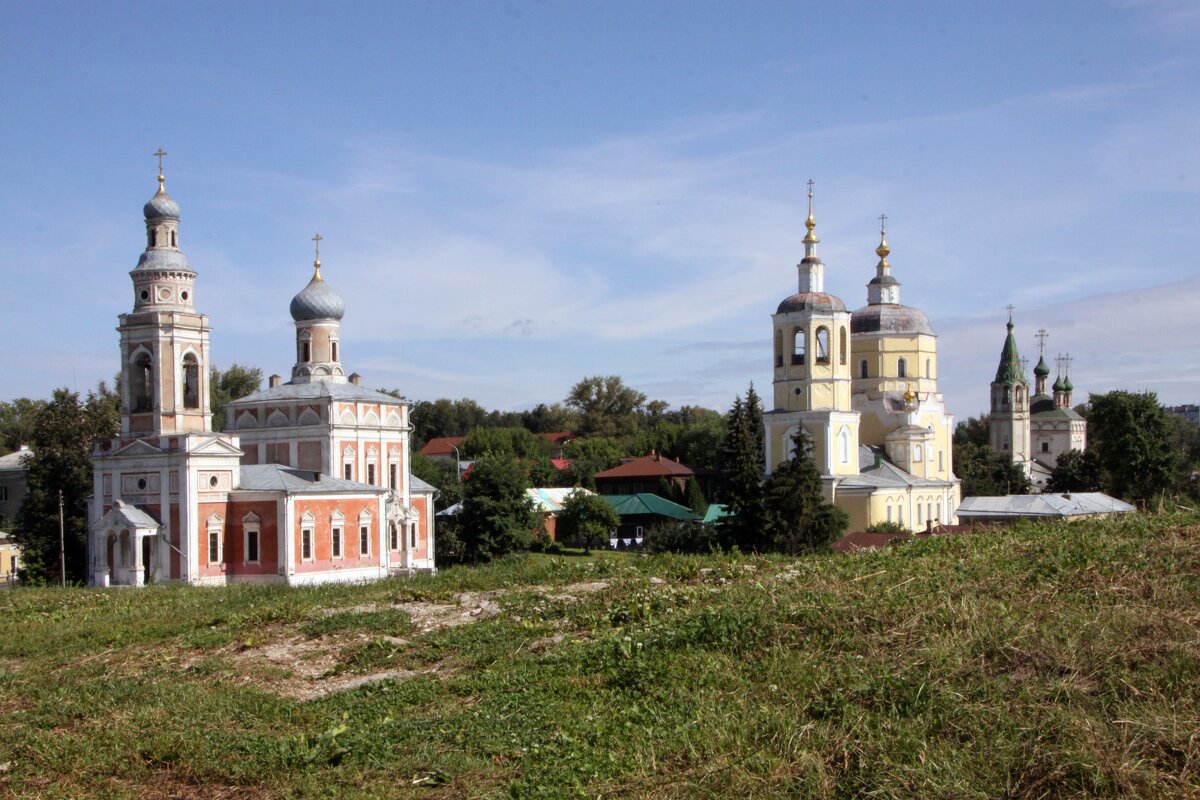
x=300, y=667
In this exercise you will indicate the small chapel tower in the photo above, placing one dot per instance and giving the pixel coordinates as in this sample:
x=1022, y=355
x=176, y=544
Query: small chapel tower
x=1010, y=404
x=317, y=311
x=812, y=370
x=164, y=341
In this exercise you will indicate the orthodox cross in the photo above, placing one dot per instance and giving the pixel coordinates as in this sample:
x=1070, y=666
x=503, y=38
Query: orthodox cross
x=1042, y=336
x=1024, y=364
x=1010, y=310
x=810, y=185
x=159, y=154
x=882, y=223
x=1067, y=363
x=317, y=239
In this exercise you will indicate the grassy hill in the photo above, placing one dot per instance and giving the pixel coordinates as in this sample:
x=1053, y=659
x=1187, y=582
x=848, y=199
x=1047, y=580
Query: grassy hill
x=1046, y=661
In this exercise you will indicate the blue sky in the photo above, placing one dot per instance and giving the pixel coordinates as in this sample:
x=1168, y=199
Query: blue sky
x=516, y=195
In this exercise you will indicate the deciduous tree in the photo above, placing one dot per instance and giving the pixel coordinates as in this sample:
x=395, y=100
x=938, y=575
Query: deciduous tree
x=607, y=407
x=228, y=385
x=497, y=517
x=1133, y=440
x=586, y=518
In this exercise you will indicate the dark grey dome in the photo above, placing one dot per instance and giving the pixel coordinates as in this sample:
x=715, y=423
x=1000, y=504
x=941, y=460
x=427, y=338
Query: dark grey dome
x=883, y=280
x=317, y=301
x=155, y=260
x=161, y=206
x=1040, y=402
x=889, y=318
x=811, y=301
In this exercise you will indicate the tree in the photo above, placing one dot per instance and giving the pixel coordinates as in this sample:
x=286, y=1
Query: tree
x=742, y=461
x=799, y=517
x=693, y=498
x=607, y=407
x=444, y=417
x=1133, y=440
x=62, y=443
x=589, y=456
x=586, y=517
x=232, y=384
x=987, y=474
x=497, y=516
x=975, y=430
x=1076, y=471
x=550, y=419
x=18, y=420
x=513, y=441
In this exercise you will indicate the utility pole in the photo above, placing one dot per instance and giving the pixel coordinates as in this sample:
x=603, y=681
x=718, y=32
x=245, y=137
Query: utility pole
x=62, y=551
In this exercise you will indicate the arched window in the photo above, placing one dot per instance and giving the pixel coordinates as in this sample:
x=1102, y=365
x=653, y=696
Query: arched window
x=333, y=350
x=863, y=372
x=143, y=383
x=842, y=349
x=191, y=381
x=929, y=368
x=902, y=369
x=778, y=347
x=173, y=239
x=305, y=352
x=822, y=345
x=844, y=446
x=798, y=346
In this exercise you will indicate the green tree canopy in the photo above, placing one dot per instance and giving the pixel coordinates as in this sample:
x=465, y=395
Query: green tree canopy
x=742, y=461
x=974, y=430
x=1134, y=442
x=988, y=474
x=1076, y=471
x=497, y=517
x=228, y=385
x=586, y=518
x=62, y=443
x=18, y=419
x=606, y=406
x=589, y=456
x=798, y=515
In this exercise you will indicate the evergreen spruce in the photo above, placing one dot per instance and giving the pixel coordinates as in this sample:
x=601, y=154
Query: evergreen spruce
x=799, y=518
x=742, y=460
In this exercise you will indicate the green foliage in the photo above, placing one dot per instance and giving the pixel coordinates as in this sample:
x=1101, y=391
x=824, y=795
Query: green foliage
x=606, y=406
x=987, y=474
x=681, y=536
x=589, y=456
x=228, y=385
x=1133, y=440
x=62, y=443
x=550, y=419
x=1076, y=472
x=18, y=420
x=799, y=518
x=693, y=498
x=444, y=417
x=742, y=461
x=974, y=430
x=586, y=518
x=515, y=441
x=497, y=517
x=887, y=527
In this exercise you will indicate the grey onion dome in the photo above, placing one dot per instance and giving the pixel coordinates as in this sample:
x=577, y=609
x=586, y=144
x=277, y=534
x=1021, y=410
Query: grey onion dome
x=161, y=206
x=317, y=301
x=891, y=318
x=811, y=301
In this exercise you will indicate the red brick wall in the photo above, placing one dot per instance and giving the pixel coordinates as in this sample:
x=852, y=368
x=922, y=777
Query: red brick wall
x=323, y=529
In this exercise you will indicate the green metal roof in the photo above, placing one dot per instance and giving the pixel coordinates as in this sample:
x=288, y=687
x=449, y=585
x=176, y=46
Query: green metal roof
x=646, y=503
x=1009, y=370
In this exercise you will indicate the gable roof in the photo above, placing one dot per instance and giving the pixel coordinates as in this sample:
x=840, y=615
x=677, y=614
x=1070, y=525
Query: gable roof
x=651, y=466
x=442, y=445
x=13, y=460
x=552, y=500
x=1042, y=505
x=645, y=503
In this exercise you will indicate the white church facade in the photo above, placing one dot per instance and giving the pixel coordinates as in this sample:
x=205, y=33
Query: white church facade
x=311, y=484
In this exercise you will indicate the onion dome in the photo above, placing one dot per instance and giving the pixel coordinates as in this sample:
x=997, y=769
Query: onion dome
x=1060, y=385
x=811, y=301
x=1041, y=370
x=317, y=300
x=891, y=318
x=1067, y=385
x=161, y=206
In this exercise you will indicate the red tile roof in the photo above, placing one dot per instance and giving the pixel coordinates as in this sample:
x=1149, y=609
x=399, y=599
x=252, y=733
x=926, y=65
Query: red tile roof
x=651, y=466
x=442, y=446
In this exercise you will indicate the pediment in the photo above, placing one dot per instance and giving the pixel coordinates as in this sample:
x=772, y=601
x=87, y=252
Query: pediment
x=216, y=446
x=139, y=448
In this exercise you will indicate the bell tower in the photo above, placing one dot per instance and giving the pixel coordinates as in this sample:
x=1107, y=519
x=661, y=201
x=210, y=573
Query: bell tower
x=1010, y=432
x=164, y=341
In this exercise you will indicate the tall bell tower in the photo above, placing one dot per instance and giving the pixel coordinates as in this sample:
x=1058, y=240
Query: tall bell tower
x=1010, y=405
x=164, y=341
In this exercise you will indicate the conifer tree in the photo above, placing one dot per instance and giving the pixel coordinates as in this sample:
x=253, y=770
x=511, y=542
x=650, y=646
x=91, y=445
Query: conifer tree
x=799, y=517
x=742, y=460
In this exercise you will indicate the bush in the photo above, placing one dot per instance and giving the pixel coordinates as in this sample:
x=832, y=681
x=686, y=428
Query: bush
x=686, y=536
x=887, y=527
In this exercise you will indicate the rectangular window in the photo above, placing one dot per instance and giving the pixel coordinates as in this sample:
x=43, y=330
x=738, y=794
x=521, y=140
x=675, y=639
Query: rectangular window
x=335, y=543
x=306, y=544
x=394, y=477
x=889, y=509
x=214, y=547
x=394, y=536
x=348, y=471
x=412, y=535
x=371, y=474
x=1045, y=447
x=364, y=540
x=3, y=494
x=252, y=546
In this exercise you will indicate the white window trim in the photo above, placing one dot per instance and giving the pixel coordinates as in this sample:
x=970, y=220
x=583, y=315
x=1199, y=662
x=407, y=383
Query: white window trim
x=251, y=528
x=306, y=537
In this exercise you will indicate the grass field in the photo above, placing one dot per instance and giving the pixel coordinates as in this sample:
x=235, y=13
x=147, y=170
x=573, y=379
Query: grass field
x=1045, y=661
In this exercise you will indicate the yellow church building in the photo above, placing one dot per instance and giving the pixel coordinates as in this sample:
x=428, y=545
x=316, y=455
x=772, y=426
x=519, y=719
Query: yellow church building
x=863, y=387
